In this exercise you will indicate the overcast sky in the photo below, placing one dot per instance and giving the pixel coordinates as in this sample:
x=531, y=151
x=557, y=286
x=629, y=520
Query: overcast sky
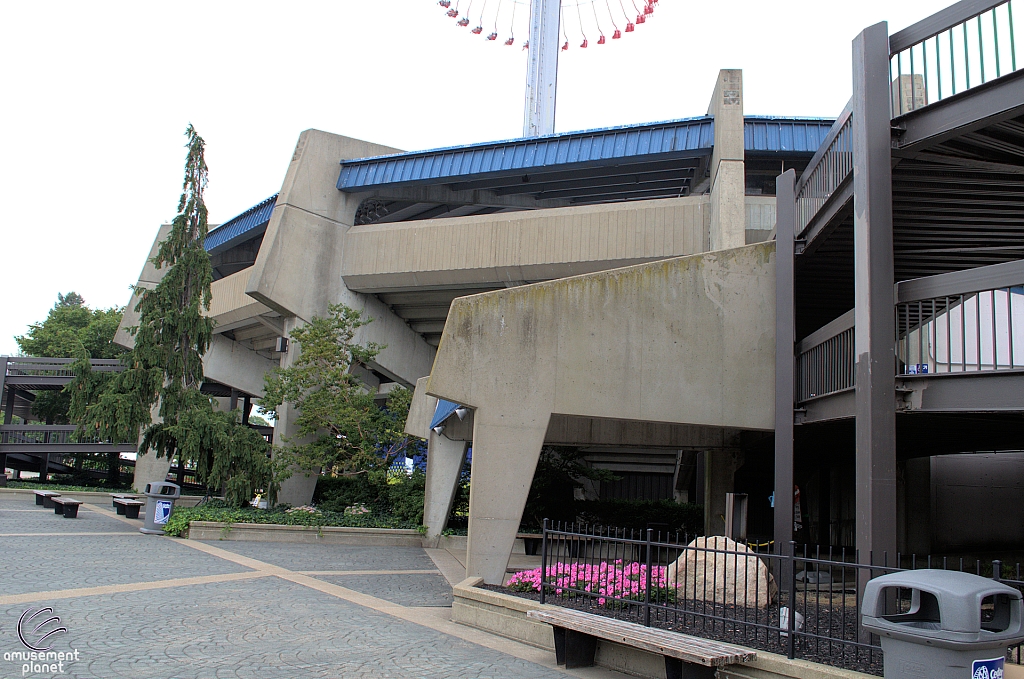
x=96, y=97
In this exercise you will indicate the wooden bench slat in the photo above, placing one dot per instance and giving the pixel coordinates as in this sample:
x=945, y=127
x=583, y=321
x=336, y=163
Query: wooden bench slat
x=684, y=647
x=123, y=501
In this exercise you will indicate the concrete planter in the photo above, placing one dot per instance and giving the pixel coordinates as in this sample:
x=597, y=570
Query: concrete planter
x=331, y=535
x=505, y=615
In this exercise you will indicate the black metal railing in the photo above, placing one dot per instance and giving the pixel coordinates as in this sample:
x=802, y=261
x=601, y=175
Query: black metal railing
x=953, y=51
x=825, y=360
x=802, y=603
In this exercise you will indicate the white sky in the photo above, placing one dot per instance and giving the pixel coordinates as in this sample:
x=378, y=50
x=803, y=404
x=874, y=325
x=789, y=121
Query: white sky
x=96, y=96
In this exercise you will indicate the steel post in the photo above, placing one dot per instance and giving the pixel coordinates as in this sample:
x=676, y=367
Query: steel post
x=542, y=72
x=785, y=363
x=875, y=331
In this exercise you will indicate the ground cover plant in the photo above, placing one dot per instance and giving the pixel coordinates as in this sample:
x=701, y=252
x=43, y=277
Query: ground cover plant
x=611, y=580
x=220, y=512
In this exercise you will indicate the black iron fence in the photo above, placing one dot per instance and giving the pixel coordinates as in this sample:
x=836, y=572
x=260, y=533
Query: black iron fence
x=802, y=603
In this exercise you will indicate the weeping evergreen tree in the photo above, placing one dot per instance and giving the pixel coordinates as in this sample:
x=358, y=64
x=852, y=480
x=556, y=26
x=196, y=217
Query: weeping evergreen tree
x=166, y=364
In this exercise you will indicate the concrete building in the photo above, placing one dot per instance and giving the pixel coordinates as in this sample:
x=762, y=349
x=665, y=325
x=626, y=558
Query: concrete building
x=719, y=303
x=402, y=235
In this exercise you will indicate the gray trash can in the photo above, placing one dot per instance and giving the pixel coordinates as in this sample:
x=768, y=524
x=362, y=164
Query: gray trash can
x=942, y=624
x=160, y=499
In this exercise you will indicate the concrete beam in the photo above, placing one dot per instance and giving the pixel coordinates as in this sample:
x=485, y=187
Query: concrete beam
x=524, y=246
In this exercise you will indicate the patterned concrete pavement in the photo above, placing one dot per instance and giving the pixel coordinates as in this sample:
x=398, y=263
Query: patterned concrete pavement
x=153, y=607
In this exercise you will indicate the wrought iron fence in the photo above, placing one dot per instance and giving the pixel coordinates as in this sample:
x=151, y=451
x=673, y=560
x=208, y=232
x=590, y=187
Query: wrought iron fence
x=929, y=63
x=802, y=603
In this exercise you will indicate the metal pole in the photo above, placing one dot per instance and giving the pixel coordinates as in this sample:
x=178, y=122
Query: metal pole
x=875, y=332
x=543, y=558
x=785, y=359
x=791, y=620
x=647, y=591
x=542, y=72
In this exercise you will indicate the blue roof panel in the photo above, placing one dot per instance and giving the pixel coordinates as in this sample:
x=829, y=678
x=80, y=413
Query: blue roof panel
x=784, y=135
x=249, y=224
x=680, y=138
x=589, y=148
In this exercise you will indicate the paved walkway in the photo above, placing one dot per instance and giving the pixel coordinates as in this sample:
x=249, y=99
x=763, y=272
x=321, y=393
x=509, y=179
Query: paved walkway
x=141, y=606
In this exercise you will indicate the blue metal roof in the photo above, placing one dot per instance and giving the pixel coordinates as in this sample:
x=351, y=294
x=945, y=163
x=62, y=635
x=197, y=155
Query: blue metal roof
x=784, y=135
x=589, y=148
x=249, y=224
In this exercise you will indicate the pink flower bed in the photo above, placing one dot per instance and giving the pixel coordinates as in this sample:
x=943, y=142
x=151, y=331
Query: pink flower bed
x=606, y=579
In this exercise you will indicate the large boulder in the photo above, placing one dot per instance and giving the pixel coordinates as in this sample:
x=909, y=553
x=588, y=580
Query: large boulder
x=719, y=570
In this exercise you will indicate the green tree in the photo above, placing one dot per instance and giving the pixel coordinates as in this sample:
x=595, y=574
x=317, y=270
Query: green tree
x=345, y=431
x=166, y=364
x=71, y=330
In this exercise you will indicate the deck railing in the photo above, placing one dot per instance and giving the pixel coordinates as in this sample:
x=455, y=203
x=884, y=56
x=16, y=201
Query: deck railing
x=18, y=366
x=49, y=434
x=827, y=170
x=957, y=49
x=968, y=321
x=825, y=360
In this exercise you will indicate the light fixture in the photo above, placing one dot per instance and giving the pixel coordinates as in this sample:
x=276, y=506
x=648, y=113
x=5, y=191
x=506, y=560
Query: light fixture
x=438, y=429
x=462, y=411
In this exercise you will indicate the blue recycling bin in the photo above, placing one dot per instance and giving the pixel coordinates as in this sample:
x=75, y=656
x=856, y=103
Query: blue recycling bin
x=160, y=499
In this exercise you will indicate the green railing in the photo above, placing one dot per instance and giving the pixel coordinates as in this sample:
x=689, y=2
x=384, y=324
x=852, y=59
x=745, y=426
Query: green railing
x=965, y=46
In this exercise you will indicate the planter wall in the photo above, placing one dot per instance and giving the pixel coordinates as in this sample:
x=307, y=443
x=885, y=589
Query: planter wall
x=332, y=535
x=505, y=615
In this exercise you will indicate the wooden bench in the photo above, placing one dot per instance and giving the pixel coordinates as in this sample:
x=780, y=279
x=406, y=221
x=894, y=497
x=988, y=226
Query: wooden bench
x=531, y=542
x=129, y=508
x=686, y=657
x=66, y=506
x=45, y=498
x=124, y=496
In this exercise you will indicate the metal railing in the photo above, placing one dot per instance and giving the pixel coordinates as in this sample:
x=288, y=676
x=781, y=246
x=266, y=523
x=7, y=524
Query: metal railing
x=962, y=47
x=18, y=366
x=44, y=434
x=828, y=169
x=968, y=321
x=803, y=603
x=825, y=360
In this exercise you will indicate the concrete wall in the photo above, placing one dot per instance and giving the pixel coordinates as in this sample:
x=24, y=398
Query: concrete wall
x=686, y=341
x=728, y=181
x=523, y=246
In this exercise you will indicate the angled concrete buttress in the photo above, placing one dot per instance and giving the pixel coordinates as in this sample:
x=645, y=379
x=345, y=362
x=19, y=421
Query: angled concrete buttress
x=298, y=271
x=688, y=341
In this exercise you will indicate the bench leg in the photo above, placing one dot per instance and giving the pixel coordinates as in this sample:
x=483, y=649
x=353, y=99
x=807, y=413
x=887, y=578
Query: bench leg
x=677, y=669
x=58, y=509
x=559, y=645
x=131, y=512
x=580, y=649
x=121, y=509
x=70, y=511
x=39, y=500
x=48, y=502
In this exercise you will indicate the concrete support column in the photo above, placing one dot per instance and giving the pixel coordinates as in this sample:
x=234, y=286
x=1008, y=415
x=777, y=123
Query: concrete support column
x=297, y=490
x=719, y=480
x=445, y=459
x=875, y=334
x=728, y=182
x=785, y=359
x=505, y=454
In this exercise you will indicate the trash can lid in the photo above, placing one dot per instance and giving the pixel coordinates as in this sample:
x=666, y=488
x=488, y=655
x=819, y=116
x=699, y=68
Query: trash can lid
x=162, y=488
x=959, y=595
